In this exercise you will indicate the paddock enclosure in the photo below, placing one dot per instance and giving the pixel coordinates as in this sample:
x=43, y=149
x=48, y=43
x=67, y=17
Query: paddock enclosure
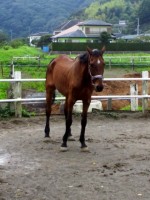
x=117, y=166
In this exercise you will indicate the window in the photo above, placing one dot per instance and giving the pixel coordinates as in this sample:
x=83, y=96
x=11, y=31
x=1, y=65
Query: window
x=87, y=30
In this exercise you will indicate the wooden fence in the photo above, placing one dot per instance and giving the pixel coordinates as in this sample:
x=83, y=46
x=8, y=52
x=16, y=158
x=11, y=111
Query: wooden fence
x=17, y=91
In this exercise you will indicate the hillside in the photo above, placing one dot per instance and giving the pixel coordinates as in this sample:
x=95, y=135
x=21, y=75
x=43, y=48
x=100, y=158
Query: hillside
x=20, y=18
x=114, y=10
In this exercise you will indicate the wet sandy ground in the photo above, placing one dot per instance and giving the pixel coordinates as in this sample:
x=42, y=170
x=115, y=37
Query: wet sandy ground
x=116, y=168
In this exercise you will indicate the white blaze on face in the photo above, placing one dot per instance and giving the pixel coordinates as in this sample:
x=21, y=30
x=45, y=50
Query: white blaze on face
x=98, y=62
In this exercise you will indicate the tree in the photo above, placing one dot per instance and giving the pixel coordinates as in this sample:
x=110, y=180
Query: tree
x=44, y=40
x=105, y=37
x=144, y=12
x=3, y=37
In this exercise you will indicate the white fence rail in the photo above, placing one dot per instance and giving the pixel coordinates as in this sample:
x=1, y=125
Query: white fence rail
x=17, y=91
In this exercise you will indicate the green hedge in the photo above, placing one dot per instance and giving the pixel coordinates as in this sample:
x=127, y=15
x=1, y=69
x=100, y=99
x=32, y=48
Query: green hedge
x=109, y=47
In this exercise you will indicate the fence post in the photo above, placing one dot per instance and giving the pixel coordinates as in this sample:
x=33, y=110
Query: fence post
x=39, y=61
x=17, y=94
x=134, y=101
x=1, y=69
x=109, y=104
x=109, y=63
x=132, y=63
x=12, y=69
x=145, y=74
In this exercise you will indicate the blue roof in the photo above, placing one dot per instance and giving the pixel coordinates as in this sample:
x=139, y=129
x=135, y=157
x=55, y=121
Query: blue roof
x=94, y=23
x=129, y=37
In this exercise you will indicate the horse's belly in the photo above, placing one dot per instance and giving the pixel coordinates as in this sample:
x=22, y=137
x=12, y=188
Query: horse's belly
x=62, y=86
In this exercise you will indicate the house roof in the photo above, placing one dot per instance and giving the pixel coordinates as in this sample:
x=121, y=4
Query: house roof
x=94, y=23
x=129, y=37
x=67, y=25
x=75, y=31
x=70, y=32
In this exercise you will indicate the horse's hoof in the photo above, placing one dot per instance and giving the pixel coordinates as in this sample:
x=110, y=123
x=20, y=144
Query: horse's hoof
x=63, y=149
x=47, y=139
x=85, y=149
x=71, y=138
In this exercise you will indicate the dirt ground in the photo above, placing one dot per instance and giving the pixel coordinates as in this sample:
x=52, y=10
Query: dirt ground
x=121, y=88
x=116, y=168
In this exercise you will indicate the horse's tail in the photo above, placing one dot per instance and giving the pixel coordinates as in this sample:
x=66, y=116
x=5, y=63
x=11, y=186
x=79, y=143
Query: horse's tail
x=49, y=70
x=50, y=66
x=51, y=61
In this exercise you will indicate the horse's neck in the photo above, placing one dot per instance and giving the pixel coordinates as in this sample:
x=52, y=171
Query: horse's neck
x=82, y=72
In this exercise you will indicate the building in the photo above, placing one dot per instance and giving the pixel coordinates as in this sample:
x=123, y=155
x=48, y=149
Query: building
x=65, y=26
x=36, y=36
x=86, y=31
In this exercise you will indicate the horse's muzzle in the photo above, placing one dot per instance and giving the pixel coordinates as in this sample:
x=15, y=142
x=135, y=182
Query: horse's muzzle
x=99, y=88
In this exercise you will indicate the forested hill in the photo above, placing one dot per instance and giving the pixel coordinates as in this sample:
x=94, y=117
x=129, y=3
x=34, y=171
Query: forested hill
x=113, y=11
x=21, y=17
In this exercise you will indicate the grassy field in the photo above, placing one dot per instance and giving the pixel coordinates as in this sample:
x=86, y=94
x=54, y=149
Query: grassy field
x=31, y=68
x=28, y=67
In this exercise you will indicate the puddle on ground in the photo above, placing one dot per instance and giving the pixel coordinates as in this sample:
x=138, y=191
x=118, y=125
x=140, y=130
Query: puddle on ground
x=4, y=158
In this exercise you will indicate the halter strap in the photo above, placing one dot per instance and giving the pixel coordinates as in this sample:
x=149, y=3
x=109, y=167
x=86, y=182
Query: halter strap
x=97, y=77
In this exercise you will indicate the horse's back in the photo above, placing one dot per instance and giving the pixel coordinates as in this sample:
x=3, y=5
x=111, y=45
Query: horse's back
x=60, y=62
x=58, y=73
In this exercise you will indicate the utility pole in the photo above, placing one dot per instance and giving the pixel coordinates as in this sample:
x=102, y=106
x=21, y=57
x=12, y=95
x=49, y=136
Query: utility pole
x=138, y=26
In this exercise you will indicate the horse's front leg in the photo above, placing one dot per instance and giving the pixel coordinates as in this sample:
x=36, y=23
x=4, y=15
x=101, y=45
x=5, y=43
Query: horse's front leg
x=68, y=117
x=83, y=125
x=49, y=99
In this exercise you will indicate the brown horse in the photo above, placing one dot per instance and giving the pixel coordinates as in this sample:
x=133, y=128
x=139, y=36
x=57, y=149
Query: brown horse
x=75, y=79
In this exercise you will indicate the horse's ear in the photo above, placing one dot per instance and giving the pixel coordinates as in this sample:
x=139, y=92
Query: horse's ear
x=89, y=50
x=103, y=50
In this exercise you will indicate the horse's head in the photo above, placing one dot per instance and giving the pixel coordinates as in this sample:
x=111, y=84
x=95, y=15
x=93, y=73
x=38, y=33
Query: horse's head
x=96, y=67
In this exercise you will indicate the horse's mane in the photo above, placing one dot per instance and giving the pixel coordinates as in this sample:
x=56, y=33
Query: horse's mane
x=84, y=58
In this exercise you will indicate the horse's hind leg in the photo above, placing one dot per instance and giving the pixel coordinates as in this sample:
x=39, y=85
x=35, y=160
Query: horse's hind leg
x=68, y=116
x=70, y=137
x=49, y=100
x=83, y=126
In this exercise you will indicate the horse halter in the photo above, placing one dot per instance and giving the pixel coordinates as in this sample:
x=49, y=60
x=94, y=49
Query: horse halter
x=99, y=76
x=96, y=77
x=95, y=52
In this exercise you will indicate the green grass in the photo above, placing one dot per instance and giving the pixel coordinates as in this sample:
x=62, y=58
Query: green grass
x=128, y=108
x=125, y=60
x=28, y=67
x=3, y=90
x=7, y=55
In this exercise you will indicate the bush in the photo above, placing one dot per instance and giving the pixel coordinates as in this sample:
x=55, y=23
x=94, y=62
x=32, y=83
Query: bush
x=145, y=46
x=16, y=43
x=3, y=37
x=6, y=112
x=6, y=47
